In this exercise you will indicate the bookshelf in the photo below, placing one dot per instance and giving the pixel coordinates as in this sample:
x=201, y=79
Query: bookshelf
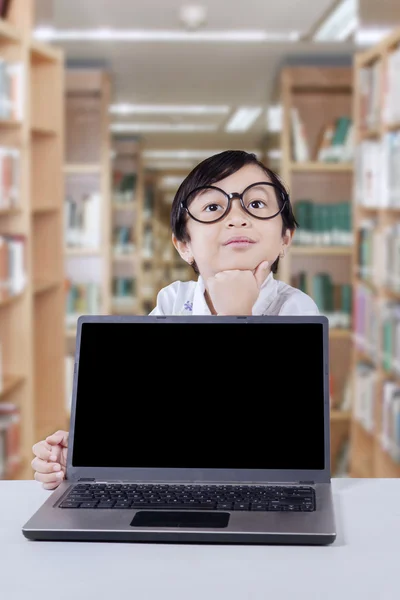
x=87, y=203
x=375, y=433
x=169, y=265
x=316, y=165
x=126, y=226
x=87, y=174
x=31, y=253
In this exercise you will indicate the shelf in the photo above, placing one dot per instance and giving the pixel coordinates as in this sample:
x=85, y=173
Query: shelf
x=337, y=333
x=83, y=252
x=320, y=167
x=9, y=123
x=39, y=287
x=9, y=212
x=39, y=210
x=123, y=206
x=340, y=415
x=392, y=127
x=391, y=294
x=39, y=130
x=10, y=300
x=81, y=169
x=10, y=383
x=326, y=250
x=124, y=257
x=370, y=134
x=43, y=52
x=8, y=33
x=126, y=309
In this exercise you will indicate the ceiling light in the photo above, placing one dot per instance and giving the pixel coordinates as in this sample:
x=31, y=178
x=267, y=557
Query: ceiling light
x=274, y=154
x=169, y=182
x=370, y=37
x=243, y=119
x=165, y=165
x=167, y=109
x=274, y=118
x=340, y=23
x=186, y=154
x=193, y=15
x=162, y=35
x=161, y=127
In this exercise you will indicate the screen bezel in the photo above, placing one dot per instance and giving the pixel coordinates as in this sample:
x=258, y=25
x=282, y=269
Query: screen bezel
x=204, y=475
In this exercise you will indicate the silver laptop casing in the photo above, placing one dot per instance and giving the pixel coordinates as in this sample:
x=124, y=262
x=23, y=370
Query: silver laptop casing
x=50, y=522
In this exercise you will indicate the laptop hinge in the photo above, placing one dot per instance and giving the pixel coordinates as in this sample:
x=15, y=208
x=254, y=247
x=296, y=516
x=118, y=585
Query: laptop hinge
x=87, y=479
x=307, y=482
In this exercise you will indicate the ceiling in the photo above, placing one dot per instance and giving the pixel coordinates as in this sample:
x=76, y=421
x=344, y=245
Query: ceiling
x=233, y=74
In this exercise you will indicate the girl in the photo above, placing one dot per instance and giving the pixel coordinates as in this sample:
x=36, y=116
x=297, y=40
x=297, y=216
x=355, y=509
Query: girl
x=232, y=221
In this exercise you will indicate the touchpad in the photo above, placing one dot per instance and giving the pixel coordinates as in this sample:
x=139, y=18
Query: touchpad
x=148, y=518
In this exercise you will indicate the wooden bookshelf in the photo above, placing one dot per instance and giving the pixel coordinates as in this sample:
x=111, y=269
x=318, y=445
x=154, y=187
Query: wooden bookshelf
x=126, y=226
x=32, y=322
x=169, y=266
x=369, y=457
x=320, y=95
x=87, y=175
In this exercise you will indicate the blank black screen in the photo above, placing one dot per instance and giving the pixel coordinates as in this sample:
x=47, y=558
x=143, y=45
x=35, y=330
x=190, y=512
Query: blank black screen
x=208, y=396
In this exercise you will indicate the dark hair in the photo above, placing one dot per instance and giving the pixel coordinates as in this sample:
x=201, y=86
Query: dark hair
x=212, y=170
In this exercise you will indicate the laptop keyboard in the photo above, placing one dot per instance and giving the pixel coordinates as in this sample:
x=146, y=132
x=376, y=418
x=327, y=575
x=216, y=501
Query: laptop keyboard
x=190, y=497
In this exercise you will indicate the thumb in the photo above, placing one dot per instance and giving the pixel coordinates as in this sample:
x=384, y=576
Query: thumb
x=58, y=438
x=261, y=272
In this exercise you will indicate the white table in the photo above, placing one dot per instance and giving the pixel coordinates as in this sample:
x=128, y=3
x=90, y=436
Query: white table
x=362, y=564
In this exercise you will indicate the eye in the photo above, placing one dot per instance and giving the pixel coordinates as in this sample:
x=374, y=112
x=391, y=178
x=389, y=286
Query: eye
x=212, y=207
x=257, y=204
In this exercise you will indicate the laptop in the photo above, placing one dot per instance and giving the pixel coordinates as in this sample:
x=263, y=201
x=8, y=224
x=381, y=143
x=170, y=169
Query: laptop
x=196, y=430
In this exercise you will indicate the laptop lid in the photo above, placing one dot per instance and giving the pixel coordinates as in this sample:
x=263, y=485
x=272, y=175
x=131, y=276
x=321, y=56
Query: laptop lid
x=213, y=399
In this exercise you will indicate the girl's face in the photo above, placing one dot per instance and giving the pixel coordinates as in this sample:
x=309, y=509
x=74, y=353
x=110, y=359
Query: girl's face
x=238, y=241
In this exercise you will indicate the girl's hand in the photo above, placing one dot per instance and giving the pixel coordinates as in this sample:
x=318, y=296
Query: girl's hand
x=235, y=292
x=50, y=459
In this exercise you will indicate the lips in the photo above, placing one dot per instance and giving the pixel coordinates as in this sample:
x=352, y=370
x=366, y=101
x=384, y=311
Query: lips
x=239, y=240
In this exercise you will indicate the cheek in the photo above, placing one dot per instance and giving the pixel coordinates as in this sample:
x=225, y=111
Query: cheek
x=272, y=234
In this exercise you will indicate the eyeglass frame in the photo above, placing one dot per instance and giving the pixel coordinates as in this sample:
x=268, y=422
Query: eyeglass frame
x=233, y=195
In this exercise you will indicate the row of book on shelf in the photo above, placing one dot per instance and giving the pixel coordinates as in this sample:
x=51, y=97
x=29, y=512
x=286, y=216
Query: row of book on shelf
x=9, y=177
x=368, y=391
x=334, y=300
x=380, y=92
x=11, y=90
x=377, y=172
x=10, y=418
x=376, y=326
x=12, y=265
x=323, y=224
x=379, y=254
x=82, y=221
x=335, y=142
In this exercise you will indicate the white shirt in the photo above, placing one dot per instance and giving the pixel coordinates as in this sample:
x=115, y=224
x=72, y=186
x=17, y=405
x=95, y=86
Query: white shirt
x=275, y=298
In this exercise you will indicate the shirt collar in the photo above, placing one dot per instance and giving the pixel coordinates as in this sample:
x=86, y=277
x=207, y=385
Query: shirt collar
x=268, y=292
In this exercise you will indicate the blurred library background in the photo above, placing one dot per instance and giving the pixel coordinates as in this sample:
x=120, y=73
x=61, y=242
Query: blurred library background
x=105, y=106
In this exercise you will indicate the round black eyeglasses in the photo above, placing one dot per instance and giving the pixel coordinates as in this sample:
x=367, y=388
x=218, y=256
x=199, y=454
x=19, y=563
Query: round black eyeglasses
x=209, y=204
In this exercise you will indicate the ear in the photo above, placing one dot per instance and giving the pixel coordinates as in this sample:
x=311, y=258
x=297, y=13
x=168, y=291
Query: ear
x=184, y=249
x=287, y=240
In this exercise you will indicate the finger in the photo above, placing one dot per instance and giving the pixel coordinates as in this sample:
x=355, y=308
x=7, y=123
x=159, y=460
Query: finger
x=42, y=466
x=60, y=437
x=49, y=477
x=261, y=272
x=51, y=486
x=42, y=450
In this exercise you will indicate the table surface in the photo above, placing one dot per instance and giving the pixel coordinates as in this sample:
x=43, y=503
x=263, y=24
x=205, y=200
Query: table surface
x=362, y=564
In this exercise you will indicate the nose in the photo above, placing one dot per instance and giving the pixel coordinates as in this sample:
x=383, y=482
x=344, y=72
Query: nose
x=237, y=217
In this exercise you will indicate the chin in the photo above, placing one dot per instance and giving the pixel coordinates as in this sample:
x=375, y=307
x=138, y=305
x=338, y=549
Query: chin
x=242, y=263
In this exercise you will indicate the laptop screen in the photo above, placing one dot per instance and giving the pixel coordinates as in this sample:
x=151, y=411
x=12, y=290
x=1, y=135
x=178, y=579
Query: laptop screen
x=200, y=395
